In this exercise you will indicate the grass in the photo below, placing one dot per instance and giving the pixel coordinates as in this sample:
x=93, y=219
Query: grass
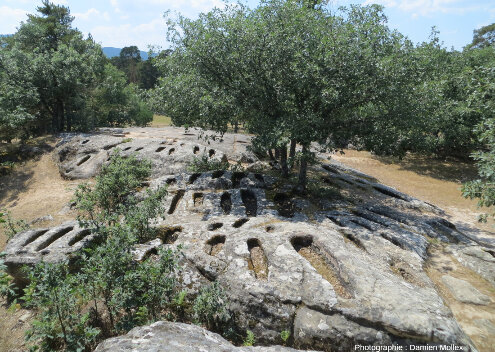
x=161, y=121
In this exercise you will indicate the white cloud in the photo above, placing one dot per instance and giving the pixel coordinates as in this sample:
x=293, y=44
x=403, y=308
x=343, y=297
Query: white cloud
x=10, y=19
x=115, y=5
x=91, y=13
x=126, y=34
x=428, y=7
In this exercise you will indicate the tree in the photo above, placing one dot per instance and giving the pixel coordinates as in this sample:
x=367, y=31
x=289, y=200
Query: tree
x=288, y=71
x=59, y=63
x=483, y=37
x=115, y=103
x=482, y=100
x=48, y=75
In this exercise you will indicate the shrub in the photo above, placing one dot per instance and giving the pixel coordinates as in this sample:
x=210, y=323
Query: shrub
x=205, y=164
x=115, y=195
x=10, y=225
x=210, y=307
x=250, y=339
x=60, y=322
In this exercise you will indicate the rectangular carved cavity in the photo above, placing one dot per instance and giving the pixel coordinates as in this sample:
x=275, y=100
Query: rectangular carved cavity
x=34, y=236
x=249, y=200
x=236, y=178
x=350, y=237
x=285, y=206
x=226, y=203
x=193, y=178
x=198, y=198
x=370, y=217
x=159, y=149
x=257, y=261
x=388, y=213
x=53, y=237
x=392, y=240
x=83, y=160
x=336, y=220
x=389, y=192
x=110, y=146
x=211, y=152
x=362, y=224
x=171, y=181
x=169, y=234
x=85, y=141
x=126, y=149
x=171, y=151
x=196, y=149
x=330, y=169
x=177, y=197
x=239, y=222
x=217, y=174
x=79, y=237
x=323, y=264
x=444, y=230
x=214, y=245
x=138, y=149
x=214, y=226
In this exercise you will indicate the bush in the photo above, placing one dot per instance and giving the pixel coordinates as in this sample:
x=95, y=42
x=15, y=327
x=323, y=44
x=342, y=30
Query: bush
x=10, y=225
x=115, y=195
x=112, y=292
x=205, y=164
x=210, y=307
x=60, y=323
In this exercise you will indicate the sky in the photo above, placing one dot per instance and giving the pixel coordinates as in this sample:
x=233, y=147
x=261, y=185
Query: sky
x=120, y=23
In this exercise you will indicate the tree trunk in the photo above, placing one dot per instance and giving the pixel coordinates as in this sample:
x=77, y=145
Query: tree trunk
x=60, y=115
x=292, y=152
x=292, y=148
x=236, y=127
x=303, y=170
x=283, y=161
x=270, y=153
x=277, y=153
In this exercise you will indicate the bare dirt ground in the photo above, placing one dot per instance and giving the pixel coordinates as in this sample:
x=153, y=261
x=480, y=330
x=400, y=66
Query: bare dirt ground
x=34, y=189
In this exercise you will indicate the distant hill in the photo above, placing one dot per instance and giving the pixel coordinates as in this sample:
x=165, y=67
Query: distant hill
x=111, y=52
x=108, y=50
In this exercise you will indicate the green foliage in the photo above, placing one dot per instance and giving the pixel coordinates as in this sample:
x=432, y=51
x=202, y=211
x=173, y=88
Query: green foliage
x=210, y=307
x=115, y=195
x=278, y=69
x=60, y=322
x=115, y=103
x=7, y=286
x=110, y=292
x=481, y=99
x=204, y=164
x=54, y=79
x=285, y=335
x=12, y=226
x=249, y=340
x=483, y=37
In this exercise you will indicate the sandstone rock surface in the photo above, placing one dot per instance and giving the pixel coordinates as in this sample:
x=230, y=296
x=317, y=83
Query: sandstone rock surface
x=176, y=337
x=464, y=292
x=336, y=270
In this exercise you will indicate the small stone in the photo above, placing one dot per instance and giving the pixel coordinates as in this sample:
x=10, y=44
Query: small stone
x=42, y=219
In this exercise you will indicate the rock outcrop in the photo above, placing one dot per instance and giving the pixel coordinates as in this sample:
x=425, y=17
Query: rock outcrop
x=336, y=268
x=50, y=245
x=170, y=150
x=176, y=337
